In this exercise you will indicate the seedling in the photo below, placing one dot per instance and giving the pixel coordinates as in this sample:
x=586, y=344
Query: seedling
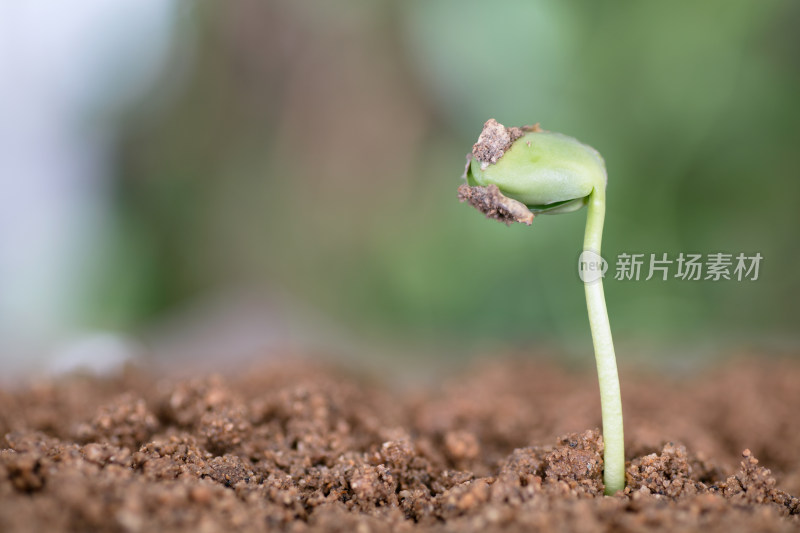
x=514, y=174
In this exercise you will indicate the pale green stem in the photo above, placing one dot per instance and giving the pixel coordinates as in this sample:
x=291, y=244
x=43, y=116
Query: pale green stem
x=610, y=399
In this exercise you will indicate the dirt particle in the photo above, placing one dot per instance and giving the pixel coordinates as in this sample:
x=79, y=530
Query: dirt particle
x=461, y=445
x=126, y=421
x=398, y=453
x=24, y=471
x=492, y=203
x=495, y=139
x=754, y=484
x=578, y=461
x=464, y=497
x=200, y=494
x=523, y=467
x=668, y=473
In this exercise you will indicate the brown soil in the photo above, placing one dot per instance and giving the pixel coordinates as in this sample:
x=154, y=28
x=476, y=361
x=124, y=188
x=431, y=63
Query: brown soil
x=302, y=447
x=491, y=202
x=495, y=139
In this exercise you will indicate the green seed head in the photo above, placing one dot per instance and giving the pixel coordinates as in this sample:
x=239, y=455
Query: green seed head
x=543, y=171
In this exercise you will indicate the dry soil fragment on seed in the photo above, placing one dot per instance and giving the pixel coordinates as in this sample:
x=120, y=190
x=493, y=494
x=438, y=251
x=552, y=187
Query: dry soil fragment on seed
x=495, y=139
x=492, y=203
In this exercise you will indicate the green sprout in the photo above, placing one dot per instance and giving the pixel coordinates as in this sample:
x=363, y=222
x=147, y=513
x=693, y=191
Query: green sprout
x=514, y=174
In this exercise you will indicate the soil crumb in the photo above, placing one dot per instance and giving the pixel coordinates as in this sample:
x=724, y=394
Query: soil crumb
x=492, y=203
x=495, y=139
x=300, y=446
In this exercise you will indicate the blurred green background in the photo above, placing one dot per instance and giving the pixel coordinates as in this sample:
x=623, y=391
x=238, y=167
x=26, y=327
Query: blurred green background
x=313, y=149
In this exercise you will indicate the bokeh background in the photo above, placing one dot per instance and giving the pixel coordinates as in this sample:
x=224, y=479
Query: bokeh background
x=207, y=181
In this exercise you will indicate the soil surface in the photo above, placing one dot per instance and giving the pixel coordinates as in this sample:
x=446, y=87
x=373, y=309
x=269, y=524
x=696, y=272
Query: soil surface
x=506, y=446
